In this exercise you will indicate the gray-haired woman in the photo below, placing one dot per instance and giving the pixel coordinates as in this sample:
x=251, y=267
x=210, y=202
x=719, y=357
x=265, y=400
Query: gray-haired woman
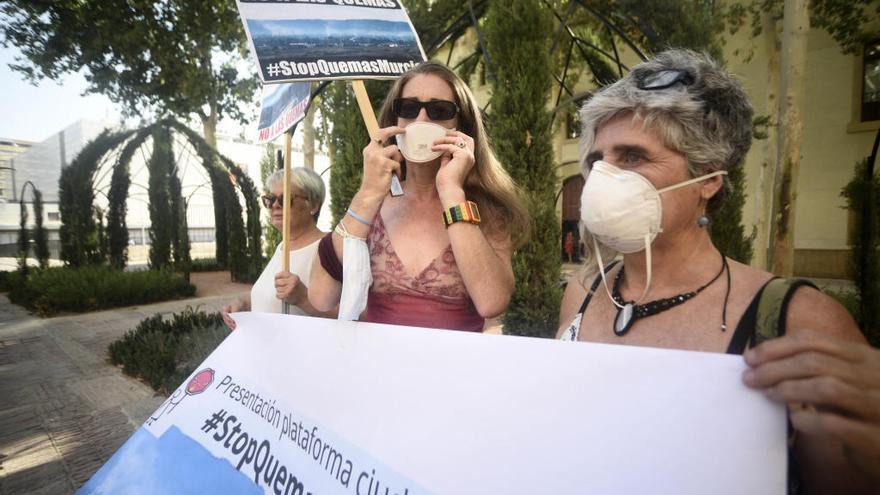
x=275, y=285
x=656, y=148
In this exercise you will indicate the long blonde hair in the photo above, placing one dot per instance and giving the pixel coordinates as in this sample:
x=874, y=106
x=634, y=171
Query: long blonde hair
x=488, y=184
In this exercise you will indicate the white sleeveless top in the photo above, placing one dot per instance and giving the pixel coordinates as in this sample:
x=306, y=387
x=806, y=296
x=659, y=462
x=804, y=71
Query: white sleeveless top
x=263, y=297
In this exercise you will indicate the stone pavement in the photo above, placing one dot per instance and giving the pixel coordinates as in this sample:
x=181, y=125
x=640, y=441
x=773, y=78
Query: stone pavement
x=64, y=409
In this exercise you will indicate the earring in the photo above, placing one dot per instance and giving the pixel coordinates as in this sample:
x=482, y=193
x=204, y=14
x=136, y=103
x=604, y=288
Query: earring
x=703, y=221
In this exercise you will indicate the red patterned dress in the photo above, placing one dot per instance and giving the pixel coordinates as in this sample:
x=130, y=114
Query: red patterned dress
x=435, y=298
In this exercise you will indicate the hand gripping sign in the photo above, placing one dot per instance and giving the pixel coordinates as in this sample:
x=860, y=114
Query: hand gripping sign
x=299, y=405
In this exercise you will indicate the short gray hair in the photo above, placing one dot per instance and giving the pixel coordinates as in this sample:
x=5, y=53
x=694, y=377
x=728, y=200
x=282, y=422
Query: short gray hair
x=708, y=121
x=305, y=179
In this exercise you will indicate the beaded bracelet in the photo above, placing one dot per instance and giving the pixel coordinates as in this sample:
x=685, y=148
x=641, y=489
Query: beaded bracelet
x=359, y=218
x=343, y=232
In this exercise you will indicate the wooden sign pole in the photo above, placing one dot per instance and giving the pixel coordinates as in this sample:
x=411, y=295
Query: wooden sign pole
x=285, y=213
x=369, y=117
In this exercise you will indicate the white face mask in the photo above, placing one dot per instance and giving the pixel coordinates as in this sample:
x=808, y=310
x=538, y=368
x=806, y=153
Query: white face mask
x=415, y=144
x=622, y=210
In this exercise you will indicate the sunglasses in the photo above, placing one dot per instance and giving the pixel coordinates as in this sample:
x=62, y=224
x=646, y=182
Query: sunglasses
x=665, y=79
x=270, y=200
x=409, y=108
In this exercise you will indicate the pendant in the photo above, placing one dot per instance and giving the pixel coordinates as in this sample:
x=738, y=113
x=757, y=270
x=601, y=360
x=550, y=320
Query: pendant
x=624, y=320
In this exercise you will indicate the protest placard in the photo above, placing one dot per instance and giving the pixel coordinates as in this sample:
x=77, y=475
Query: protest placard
x=302, y=405
x=282, y=106
x=333, y=39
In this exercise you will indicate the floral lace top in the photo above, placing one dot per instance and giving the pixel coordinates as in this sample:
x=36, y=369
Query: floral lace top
x=436, y=297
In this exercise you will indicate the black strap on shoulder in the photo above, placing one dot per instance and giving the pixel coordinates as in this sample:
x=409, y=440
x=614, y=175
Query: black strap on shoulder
x=595, y=285
x=765, y=318
x=773, y=308
x=745, y=329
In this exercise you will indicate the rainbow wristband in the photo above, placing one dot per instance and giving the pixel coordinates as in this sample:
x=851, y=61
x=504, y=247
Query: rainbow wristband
x=462, y=212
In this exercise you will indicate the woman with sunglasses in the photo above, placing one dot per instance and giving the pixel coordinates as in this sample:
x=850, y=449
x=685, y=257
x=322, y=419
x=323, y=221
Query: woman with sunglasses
x=656, y=148
x=275, y=285
x=439, y=255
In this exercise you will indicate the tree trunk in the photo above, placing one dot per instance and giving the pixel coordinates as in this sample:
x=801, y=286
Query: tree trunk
x=309, y=139
x=796, y=24
x=209, y=128
x=764, y=193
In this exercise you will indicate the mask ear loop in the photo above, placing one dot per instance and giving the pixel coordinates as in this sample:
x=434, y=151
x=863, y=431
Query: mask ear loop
x=692, y=181
x=605, y=280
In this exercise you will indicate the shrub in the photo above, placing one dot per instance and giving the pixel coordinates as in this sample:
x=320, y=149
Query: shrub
x=8, y=280
x=164, y=352
x=205, y=265
x=89, y=288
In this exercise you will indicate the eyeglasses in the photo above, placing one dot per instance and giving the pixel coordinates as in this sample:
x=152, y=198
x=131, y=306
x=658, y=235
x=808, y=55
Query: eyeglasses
x=270, y=200
x=665, y=79
x=409, y=108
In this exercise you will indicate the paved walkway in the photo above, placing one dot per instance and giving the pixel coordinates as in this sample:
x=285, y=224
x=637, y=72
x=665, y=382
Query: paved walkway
x=64, y=409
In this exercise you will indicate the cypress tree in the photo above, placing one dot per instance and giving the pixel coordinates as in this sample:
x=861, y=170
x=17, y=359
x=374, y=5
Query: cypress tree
x=521, y=134
x=41, y=241
x=180, y=233
x=23, y=237
x=78, y=232
x=161, y=221
x=270, y=233
x=117, y=230
x=347, y=139
x=726, y=227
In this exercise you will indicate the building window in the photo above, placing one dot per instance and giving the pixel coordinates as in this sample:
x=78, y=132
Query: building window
x=871, y=82
x=54, y=216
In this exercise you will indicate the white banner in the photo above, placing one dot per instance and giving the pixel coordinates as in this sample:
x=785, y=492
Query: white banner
x=311, y=40
x=282, y=106
x=300, y=405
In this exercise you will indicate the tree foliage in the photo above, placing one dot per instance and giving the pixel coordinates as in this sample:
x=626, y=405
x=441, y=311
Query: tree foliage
x=40, y=236
x=117, y=230
x=174, y=56
x=240, y=250
x=23, y=238
x=270, y=234
x=347, y=139
x=521, y=135
x=862, y=196
x=80, y=231
x=160, y=166
x=849, y=22
x=76, y=195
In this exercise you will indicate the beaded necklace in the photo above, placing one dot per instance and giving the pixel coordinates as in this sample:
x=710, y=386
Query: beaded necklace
x=630, y=311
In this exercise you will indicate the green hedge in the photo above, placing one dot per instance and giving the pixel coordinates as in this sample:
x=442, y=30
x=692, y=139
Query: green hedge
x=89, y=288
x=8, y=280
x=164, y=352
x=205, y=265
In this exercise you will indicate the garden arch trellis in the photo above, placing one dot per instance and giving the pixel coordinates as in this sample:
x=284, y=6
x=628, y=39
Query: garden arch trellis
x=238, y=240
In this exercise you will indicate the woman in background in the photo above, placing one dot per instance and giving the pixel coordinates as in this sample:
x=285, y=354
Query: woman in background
x=275, y=285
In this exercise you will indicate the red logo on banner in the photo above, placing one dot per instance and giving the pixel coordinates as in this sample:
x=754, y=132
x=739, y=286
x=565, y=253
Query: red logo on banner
x=200, y=382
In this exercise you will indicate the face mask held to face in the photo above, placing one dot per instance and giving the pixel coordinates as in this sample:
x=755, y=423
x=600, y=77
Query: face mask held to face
x=622, y=210
x=416, y=142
